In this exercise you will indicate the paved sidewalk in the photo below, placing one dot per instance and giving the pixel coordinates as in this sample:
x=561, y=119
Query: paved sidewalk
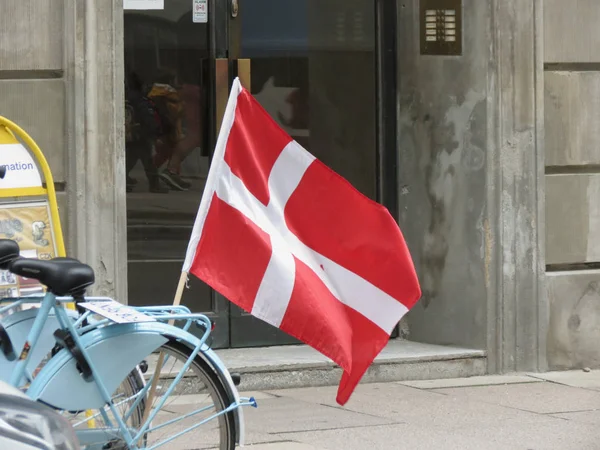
x=530, y=412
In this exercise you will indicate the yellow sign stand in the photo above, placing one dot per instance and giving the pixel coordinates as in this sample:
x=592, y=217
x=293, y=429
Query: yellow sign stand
x=28, y=209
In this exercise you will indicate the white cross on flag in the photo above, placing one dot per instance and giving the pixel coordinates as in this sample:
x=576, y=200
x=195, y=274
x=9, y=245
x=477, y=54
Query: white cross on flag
x=285, y=238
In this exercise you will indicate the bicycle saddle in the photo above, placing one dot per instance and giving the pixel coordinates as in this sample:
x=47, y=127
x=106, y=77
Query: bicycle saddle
x=62, y=276
x=9, y=251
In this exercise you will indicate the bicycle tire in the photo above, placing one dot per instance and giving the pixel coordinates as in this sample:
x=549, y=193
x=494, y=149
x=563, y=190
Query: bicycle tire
x=221, y=397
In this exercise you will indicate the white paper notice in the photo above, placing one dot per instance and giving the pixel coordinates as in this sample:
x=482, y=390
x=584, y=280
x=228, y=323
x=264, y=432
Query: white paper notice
x=117, y=312
x=200, y=11
x=143, y=4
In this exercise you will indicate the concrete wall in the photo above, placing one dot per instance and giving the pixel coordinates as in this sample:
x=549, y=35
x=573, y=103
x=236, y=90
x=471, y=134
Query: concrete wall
x=61, y=79
x=572, y=114
x=470, y=170
x=32, y=87
x=442, y=150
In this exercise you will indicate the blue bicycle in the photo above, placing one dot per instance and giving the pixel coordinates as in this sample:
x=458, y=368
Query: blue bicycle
x=98, y=371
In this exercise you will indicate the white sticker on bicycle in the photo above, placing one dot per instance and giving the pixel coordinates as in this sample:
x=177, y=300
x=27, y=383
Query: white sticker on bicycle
x=117, y=312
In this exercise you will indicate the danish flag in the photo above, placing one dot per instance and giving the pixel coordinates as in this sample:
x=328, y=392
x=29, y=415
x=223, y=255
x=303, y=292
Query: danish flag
x=288, y=240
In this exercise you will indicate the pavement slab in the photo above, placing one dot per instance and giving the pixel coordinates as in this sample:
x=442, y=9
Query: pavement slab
x=588, y=417
x=486, y=380
x=402, y=436
x=284, y=415
x=543, y=398
x=283, y=445
x=546, y=435
x=573, y=378
x=485, y=413
x=414, y=406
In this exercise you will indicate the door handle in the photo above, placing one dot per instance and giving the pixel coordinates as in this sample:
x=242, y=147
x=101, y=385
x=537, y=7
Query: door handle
x=221, y=90
x=244, y=70
x=244, y=73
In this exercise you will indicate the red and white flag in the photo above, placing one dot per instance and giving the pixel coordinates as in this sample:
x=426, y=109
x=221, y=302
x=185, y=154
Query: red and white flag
x=288, y=240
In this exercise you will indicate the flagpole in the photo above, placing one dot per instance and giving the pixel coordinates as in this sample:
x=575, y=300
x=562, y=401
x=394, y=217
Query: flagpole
x=161, y=357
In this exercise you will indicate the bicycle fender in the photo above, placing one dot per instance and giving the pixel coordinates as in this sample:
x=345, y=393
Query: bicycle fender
x=213, y=360
x=17, y=325
x=114, y=351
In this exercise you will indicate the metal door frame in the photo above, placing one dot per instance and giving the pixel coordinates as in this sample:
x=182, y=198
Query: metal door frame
x=225, y=50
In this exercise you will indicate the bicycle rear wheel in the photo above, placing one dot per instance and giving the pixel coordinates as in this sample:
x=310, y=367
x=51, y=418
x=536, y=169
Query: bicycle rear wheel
x=200, y=392
x=198, y=396
x=124, y=400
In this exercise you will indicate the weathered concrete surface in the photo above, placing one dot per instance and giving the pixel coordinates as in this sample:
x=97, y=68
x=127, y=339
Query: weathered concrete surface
x=571, y=111
x=301, y=366
x=32, y=93
x=470, y=173
x=517, y=176
x=497, y=416
x=485, y=380
x=573, y=378
x=571, y=31
x=38, y=106
x=504, y=413
x=574, y=331
x=94, y=30
x=32, y=35
x=572, y=218
x=61, y=79
x=442, y=165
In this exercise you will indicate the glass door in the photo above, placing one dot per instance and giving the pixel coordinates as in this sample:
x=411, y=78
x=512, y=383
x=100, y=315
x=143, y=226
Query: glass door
x=170, y=68
x=312, y=65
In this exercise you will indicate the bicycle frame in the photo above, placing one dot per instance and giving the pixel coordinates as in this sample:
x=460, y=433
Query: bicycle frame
x=47, y=304
x=113, y=336
x=17, y=326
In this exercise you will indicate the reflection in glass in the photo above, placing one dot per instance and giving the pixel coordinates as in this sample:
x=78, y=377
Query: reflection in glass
x=166, y=85
x=314, y=71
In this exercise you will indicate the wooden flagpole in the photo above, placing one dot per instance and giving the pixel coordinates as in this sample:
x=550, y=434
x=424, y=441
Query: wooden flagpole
x=161, y=357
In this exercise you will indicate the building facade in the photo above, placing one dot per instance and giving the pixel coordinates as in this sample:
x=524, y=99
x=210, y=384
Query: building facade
x=486, y=152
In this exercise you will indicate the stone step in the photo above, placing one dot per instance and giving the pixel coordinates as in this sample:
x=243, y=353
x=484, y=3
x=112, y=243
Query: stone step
x=298, y=366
